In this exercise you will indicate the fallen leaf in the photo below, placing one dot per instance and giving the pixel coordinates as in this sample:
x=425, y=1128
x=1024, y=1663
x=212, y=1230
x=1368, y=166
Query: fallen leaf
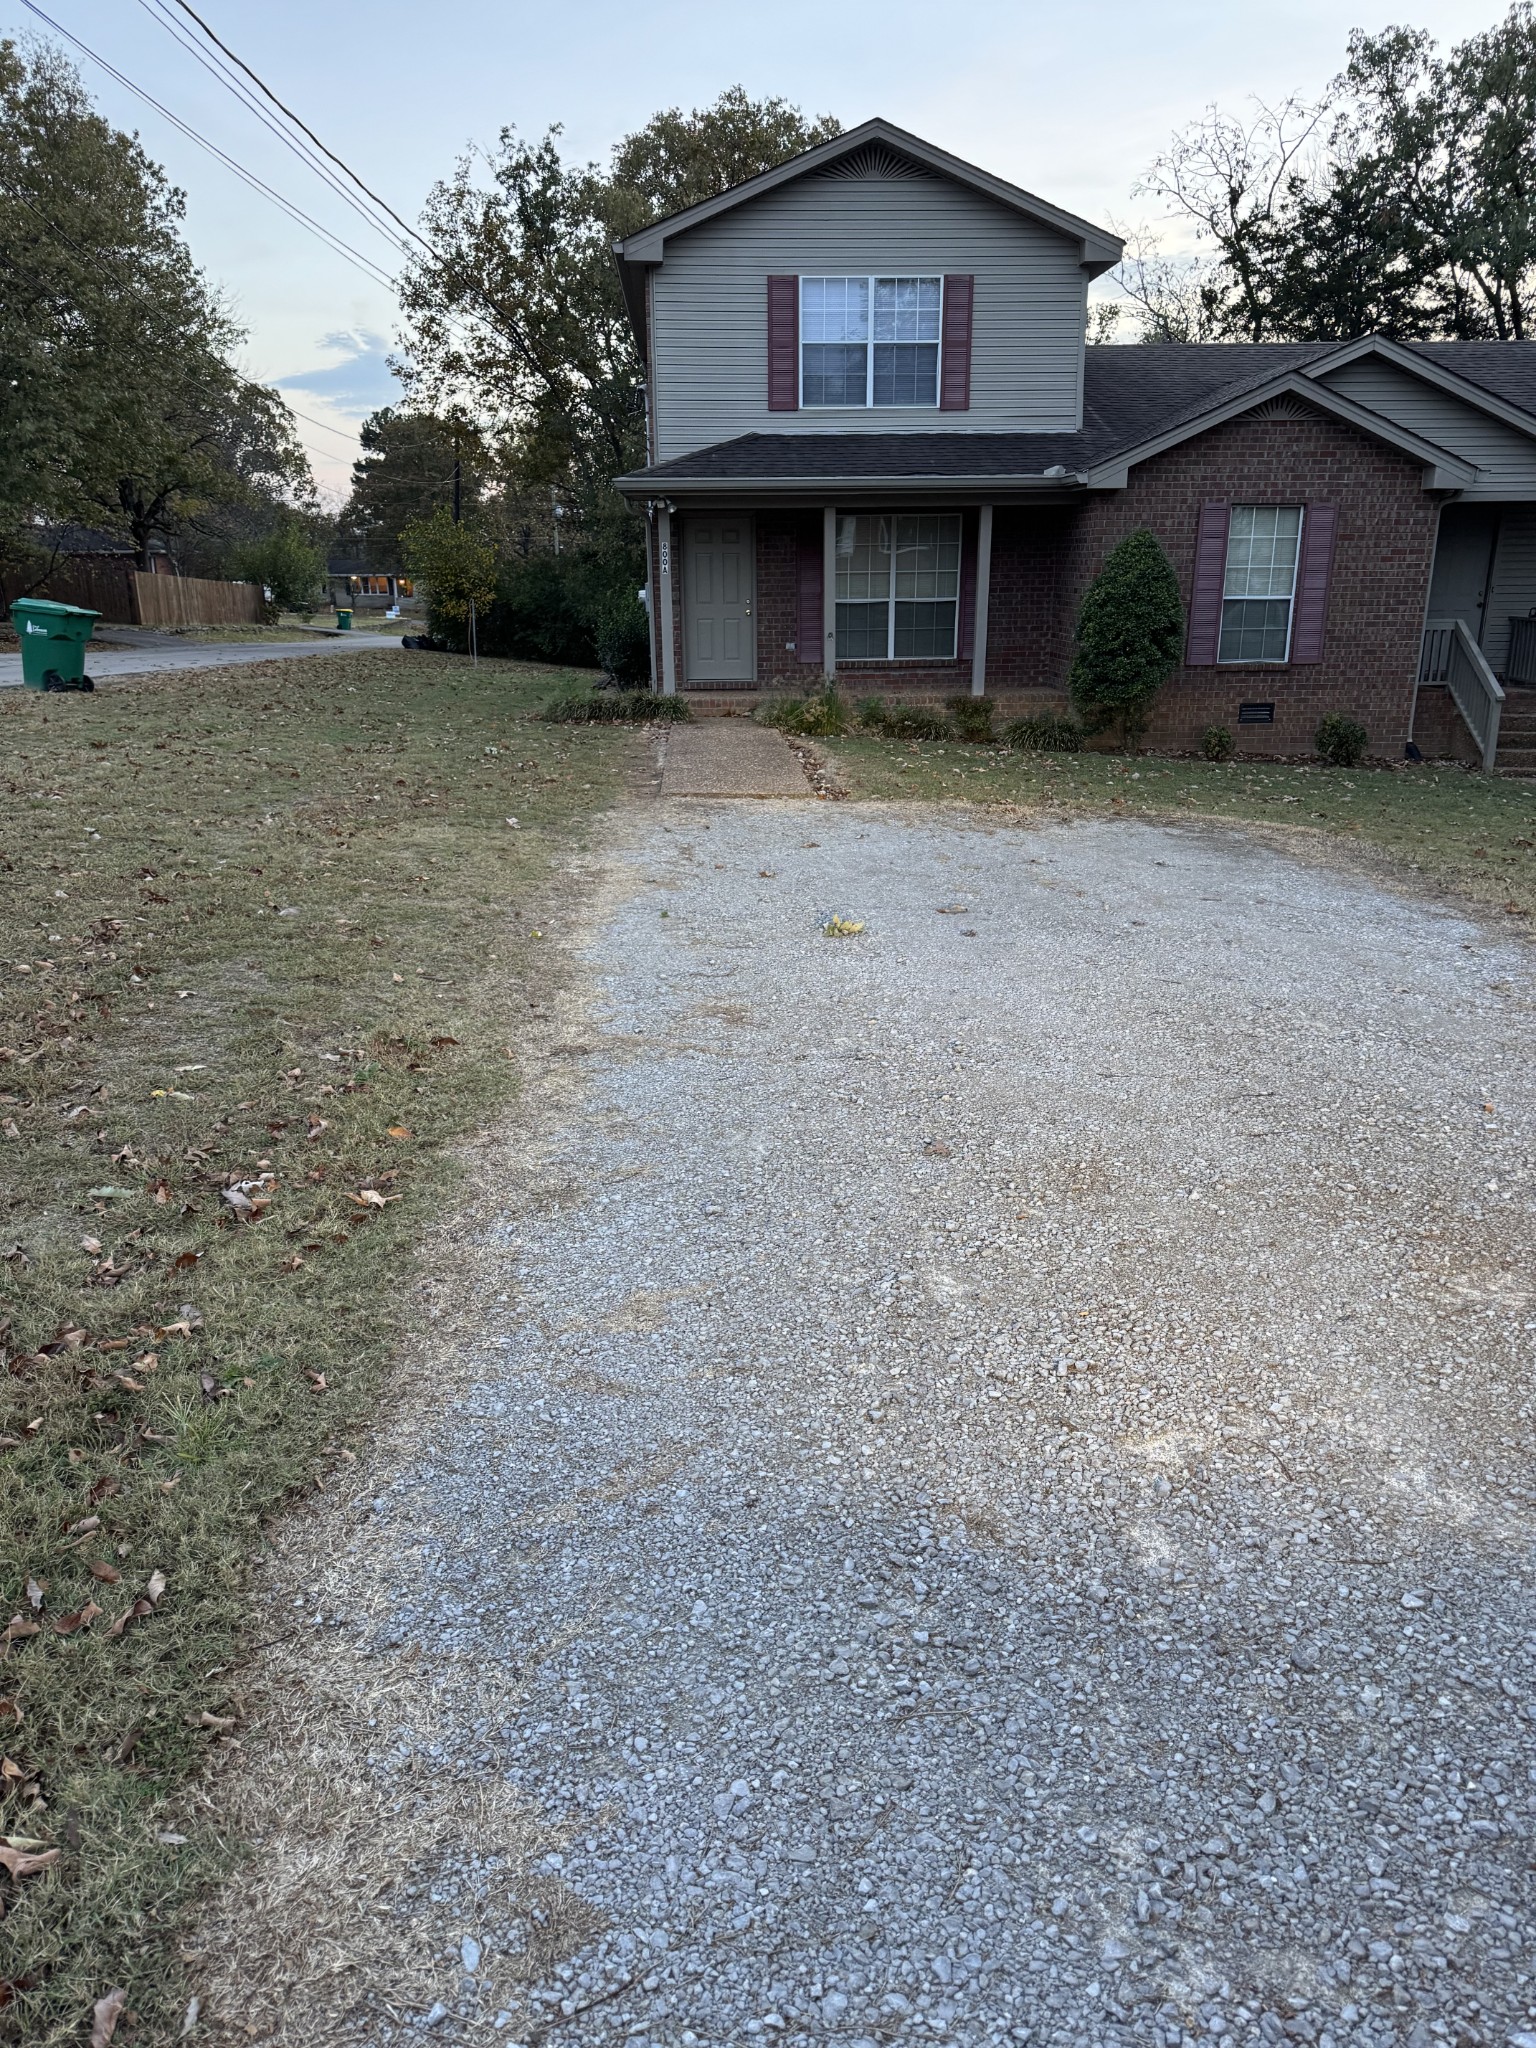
x=105, y=1487
x=843, y=928
x=454, y=1041
x=168, y=1485
x=11, y=1709
x=82, y=1618
x=35, y=1593
x=84, y=1527
x=25, y=1862
x=107, y=1573
x=17, y=1627
x=128, y=1383
x=937, y=1149
x=317, y=1124
x=183, y=1260
x=316, y=1380
x=91, y=1245
x=105, y=2015
x=156, y=1587
x=161, y=1191
x=219, y=1723
x=239, y=1201
x=397, y=1131
x=137, y=1612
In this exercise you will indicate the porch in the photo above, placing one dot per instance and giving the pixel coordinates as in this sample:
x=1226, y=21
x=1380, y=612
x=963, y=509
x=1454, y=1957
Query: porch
x=1479, y=643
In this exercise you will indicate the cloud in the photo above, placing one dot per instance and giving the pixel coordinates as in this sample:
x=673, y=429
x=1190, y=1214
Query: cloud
x=360, y=383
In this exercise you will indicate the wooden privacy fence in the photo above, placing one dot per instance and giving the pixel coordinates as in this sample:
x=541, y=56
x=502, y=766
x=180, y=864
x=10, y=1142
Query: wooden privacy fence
x=195, y=601
x=126, y=597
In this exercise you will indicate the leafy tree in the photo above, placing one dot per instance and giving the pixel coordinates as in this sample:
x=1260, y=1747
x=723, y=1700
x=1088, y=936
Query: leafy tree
x=405, y=473
x=119, y=402
x=289, y=560
x=1404, y=203
x=457, y=563
x=1130, y=637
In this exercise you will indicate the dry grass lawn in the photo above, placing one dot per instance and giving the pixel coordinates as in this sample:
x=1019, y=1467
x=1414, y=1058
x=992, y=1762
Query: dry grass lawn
x=268, y=958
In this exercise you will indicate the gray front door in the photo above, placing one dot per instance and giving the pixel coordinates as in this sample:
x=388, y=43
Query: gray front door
x=717, y=599
x=1463, y=563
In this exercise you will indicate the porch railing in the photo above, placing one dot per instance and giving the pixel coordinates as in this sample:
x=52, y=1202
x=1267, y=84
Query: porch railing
x=1452, y=657
x=1521, y=665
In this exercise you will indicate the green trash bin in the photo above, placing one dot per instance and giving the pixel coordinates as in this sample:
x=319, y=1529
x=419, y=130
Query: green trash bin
x=343, y=620
x=53, y=638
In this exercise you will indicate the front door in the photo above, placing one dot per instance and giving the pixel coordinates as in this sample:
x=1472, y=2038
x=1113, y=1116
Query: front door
x=1463, y=564
x=717, y=599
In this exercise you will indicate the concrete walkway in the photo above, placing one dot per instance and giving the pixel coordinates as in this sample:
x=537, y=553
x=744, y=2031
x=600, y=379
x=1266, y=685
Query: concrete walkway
x=105, y=662
x=729, y=757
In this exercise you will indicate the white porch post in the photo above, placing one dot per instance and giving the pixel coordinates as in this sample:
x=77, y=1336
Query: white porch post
x=668, y=647
x=983, y=592
x=829, y=590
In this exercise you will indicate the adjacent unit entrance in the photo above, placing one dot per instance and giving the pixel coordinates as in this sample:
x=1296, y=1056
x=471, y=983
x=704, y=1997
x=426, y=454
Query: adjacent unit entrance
x=1463, y=565
x=717, y=601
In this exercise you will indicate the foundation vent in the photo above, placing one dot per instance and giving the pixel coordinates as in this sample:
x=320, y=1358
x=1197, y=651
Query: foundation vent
x=1256, y=714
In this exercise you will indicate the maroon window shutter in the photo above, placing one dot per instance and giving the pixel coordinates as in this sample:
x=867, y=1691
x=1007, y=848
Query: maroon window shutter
x=811, y=627
x=967, y=637
x=955, y=355
x=1210, y=576
x=784, y=344
x=1314, y=572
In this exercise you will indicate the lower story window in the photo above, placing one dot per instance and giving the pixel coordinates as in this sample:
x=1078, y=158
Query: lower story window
x=1259, y=594
x=898, y=586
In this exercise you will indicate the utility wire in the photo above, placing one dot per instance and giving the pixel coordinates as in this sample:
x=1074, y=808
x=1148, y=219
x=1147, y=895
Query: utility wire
x=159, y=11
x=290, y=115
x=294, y=213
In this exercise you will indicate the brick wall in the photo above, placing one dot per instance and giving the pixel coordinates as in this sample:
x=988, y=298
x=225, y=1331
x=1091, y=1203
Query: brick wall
x=1043, y=560
x=1381, y=569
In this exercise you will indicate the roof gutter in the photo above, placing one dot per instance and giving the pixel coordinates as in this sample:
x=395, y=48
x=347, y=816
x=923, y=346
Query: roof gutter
x=818, y=490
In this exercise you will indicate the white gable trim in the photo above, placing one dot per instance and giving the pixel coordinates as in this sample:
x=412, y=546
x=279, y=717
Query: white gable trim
x=1100, y=249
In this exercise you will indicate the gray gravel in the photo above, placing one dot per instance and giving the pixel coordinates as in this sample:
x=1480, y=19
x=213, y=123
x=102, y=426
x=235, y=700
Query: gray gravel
x=1001, y=1489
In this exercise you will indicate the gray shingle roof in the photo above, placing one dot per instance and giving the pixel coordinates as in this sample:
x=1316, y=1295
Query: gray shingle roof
x=1130, y=396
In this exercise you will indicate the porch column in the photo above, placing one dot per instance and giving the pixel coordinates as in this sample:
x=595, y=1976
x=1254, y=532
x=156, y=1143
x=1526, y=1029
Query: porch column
x=983, y=592
x=668, y=630
x=829, y=590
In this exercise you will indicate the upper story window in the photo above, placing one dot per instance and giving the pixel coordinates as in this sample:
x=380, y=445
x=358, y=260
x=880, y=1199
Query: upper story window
x=870, y=340
x=1259, y=591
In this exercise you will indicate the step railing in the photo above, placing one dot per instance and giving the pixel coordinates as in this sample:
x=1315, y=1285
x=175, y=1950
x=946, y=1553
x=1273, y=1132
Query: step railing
x=1452, y=657
x=1521, y=664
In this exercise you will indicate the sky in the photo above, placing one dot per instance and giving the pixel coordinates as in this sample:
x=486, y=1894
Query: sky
x=1071, y=99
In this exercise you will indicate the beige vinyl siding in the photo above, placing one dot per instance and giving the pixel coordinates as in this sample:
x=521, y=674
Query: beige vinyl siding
x=1505, y=457
x=709, y=308
x=1512, y=586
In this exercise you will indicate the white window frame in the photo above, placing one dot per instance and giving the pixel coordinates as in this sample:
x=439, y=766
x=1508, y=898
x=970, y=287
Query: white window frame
x=1273, y=660
x=891, y=276
x=891, y=600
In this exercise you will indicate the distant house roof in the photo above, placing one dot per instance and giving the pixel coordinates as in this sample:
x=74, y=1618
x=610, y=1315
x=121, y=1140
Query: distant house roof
x=1136, y=401
x=83, y=540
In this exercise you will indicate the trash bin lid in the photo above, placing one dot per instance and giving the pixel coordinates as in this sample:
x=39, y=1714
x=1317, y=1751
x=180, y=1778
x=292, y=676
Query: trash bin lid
x=49, y=607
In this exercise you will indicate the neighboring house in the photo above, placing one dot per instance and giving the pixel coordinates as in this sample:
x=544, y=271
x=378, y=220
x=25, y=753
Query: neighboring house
x=349, y=581
x=879, y=450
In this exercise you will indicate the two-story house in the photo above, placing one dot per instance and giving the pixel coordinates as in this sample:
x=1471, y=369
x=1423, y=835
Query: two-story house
x=880, y=451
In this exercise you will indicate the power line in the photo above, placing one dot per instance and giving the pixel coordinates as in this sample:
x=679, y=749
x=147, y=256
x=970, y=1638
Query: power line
x=290, y=115
x=294, y=213
x=158, y=11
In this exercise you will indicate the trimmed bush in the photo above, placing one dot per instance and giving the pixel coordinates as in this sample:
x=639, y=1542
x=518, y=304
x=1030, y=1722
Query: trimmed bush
x=1130, y=637
x=1340, y=741
x=1044, y=734
x=821, y=715
x=621, y=636
x=913, y=722
x=973, y=719
x=616, y=707
x=1216, y=743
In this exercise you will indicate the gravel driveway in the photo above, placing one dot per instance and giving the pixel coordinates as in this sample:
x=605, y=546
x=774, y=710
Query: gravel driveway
x=996, y=1503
